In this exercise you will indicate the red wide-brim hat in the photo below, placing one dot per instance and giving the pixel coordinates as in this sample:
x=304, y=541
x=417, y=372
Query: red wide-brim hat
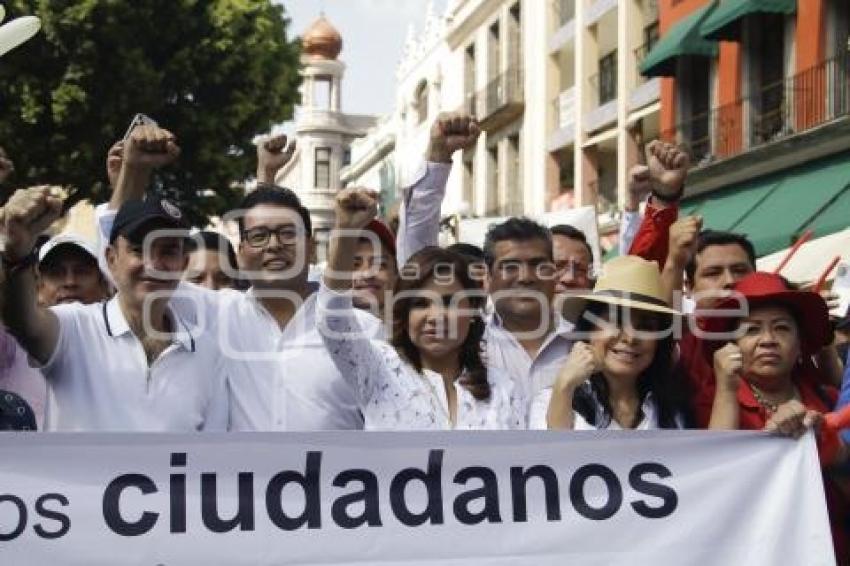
x=760, y=289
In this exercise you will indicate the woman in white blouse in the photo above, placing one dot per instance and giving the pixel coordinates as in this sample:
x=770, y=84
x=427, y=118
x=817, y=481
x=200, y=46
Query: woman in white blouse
x=430, y=375
x=621, y=377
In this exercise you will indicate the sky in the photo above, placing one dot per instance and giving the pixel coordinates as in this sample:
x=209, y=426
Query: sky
x=373, y=34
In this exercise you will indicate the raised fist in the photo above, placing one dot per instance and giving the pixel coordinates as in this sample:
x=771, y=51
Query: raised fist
x=273, y=153
x=580, y=365
x=639, y=187
x=114, y=159
x=355, y=208
x=27, y=214
x=668, y=167
x=6, y=165
x=684, y=234
x=150, y=147
x=728, y=367
x=450, y=133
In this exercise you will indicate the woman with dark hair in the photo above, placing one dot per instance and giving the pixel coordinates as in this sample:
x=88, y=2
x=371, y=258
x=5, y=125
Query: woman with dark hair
x=621, y=377
x=430, y=375
x=765, y=379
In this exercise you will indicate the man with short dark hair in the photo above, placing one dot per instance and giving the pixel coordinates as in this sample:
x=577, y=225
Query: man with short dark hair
x=68, y=272
x=212, y=261
x=573, y=259
x=525, y=336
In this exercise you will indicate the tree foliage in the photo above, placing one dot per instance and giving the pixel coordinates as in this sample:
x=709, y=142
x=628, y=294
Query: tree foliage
x=214, y=72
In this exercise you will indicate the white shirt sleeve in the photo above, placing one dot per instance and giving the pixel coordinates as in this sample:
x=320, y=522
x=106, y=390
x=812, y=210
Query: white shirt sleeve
x=629, y=226
x=358, y=359
x=419, y=215
x=104, y=217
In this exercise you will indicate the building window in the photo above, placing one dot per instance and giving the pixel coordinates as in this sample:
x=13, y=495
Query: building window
x=323, y=168
x=651, y=33
x=468, y=184
x=608, y=78
x=515, y=53
x=514, y=204
x=495, y=48
x=767, y=76
x=491, y=206
x=694, y=105
x=469, y=80
x=421, y=102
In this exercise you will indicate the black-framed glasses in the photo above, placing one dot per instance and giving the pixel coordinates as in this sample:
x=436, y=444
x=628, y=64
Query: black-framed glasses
x=259, y=237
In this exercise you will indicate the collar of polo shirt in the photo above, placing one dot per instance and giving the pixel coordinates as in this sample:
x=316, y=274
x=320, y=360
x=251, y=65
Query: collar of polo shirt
x=116, y=324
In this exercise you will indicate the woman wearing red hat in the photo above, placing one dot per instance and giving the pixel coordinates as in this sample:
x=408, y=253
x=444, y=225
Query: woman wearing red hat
x=765, y=380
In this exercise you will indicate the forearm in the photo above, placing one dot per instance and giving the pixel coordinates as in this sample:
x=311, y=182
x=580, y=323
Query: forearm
x=560, y=415
x=338, y=273
x=672, y=279
x=132, y=184
x=266, y=174
x=724, y=411
x=419, y=215
x=36, y=328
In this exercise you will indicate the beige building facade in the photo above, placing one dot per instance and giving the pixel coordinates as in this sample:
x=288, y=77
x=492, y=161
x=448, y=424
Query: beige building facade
x=556, y=88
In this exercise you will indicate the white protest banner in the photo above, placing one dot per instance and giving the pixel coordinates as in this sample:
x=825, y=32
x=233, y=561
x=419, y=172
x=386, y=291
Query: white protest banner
x=486, y=498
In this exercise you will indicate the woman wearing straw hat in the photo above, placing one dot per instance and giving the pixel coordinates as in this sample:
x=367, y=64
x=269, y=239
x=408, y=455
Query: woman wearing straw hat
x=620, y=376
x=765, y=380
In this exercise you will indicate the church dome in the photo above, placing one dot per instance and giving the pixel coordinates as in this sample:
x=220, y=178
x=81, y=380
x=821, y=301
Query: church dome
x=322, y=40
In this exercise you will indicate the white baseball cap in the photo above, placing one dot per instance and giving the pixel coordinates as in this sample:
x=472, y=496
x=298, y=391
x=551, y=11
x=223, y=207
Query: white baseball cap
x=66, y=239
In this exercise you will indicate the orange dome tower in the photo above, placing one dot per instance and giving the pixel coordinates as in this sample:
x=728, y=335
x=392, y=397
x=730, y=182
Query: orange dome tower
x=322, y=40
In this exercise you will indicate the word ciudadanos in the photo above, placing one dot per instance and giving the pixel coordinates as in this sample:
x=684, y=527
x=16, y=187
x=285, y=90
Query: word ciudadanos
x=294, y=499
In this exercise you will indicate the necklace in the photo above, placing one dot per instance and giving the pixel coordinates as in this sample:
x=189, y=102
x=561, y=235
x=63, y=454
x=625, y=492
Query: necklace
x=768, y=405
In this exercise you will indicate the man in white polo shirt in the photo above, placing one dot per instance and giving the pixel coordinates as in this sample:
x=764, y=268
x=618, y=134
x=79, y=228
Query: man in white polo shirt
x=129, y=364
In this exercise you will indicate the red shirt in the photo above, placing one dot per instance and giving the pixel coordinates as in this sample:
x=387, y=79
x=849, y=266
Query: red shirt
x=814, y=395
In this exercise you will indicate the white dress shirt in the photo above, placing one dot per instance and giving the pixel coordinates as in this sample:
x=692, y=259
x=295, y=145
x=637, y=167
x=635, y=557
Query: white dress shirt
x=283, y=379
x=649, y=409
x=393, y=395
x=99, y=378
x=505, y=353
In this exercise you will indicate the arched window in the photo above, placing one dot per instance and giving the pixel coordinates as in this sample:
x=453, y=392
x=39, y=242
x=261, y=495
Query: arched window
x=420, y=102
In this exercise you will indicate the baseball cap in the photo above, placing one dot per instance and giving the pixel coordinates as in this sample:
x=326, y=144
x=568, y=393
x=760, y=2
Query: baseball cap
x=385, y=235
x=137, y=218
x=65, y=240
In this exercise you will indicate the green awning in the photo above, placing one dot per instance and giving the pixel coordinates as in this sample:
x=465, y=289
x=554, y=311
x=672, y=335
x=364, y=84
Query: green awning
x=773, y=210
x=682, y=39
x=834, y=218
x=723, y=23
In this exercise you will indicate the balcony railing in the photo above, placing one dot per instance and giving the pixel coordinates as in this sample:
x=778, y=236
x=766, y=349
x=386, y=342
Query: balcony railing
x=500, y=91
x=813, y=97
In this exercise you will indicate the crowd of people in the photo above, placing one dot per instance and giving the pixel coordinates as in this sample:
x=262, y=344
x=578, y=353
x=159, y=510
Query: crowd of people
x=159, y=328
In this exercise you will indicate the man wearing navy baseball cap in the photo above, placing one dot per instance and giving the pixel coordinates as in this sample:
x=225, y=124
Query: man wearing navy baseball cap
x=128, y=364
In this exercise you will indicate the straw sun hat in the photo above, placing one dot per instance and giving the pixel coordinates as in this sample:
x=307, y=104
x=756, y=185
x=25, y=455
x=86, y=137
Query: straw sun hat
x=626, y=281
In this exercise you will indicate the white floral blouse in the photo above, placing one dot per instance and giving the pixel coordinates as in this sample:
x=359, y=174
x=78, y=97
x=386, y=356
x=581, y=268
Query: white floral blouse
x=393, y=395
